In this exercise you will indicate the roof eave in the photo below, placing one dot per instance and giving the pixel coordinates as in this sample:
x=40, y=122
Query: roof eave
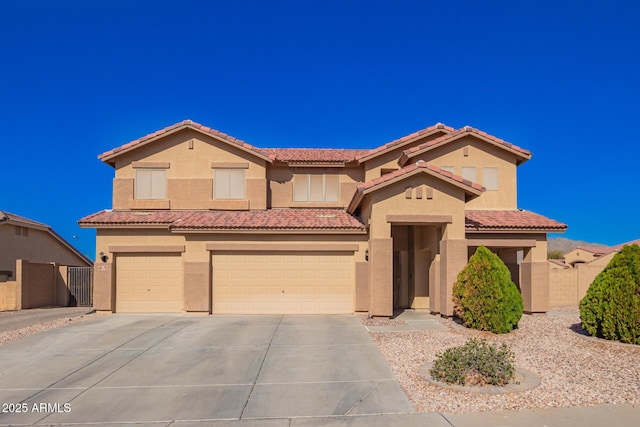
x=362, y=159
x=108, y=157
x=520, y=156
x=531, y=230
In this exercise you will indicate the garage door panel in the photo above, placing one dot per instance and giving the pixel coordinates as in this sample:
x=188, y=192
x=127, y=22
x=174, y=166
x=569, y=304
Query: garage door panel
x=283, y=283
x=147, y=283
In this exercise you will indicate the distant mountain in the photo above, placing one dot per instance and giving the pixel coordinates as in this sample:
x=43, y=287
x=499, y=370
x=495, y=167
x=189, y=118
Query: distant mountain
x=565, y=245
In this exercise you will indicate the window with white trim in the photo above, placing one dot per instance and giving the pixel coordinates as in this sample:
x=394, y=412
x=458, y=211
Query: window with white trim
x=490, y=178
x=151, y=184
x=316, y=188
x=229, y=184
x=469, y=173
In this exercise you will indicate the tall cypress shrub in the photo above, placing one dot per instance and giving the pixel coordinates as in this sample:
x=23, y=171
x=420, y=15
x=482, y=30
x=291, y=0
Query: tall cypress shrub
x=484, y=295
x=611, y=307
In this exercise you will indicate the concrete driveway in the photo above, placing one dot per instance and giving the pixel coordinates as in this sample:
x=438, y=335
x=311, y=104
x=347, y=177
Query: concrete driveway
x=133, y=368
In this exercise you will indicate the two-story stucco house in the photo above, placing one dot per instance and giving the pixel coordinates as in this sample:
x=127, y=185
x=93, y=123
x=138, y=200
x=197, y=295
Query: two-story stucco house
x=204, y=222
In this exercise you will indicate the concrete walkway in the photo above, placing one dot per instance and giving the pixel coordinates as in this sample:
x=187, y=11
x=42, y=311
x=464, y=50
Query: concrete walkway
x=13, y=320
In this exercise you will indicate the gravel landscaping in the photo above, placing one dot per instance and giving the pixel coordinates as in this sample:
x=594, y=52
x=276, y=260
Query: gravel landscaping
x=573, y=371
x=9, y=336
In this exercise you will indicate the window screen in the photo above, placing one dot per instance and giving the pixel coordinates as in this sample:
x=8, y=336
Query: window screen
x=469, y=173
x=490, y=178
x=151, y=184
x=229, y=184
x=316, y=188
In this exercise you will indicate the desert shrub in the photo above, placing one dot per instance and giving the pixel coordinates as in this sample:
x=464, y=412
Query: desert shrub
x=611, y=307
x=555, y=254
x=475, y=363
x=484, y=295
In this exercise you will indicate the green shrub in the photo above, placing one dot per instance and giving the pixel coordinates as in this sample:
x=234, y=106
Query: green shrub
x=484, y=295
x=475, y=363
x=555, y=254
x=611, y=307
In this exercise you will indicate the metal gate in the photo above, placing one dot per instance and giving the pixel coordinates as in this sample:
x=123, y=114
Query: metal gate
x=80, y=280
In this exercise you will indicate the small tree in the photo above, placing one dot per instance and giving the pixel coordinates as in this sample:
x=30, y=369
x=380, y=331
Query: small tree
x=611, y=307
x=484, y=295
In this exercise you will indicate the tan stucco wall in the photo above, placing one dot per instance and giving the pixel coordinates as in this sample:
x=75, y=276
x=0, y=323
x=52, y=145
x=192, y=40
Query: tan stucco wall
x=389, y=160
x=190, y=172
x=35, y=285
x=480, y=154
x=281, y=176
x=568, y=286
x=38, y=247
x=579, y=255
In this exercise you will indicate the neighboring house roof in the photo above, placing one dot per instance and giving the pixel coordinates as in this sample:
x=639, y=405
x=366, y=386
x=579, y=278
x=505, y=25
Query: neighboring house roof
x=108, y=156
x=619, y=247
x=270, y=219
x=407, y=139
x=510, y=220
x=597, y=250
x=315, y=155
x=9, y=218
x=559, y=262
x=522, y=154
x=407, y=171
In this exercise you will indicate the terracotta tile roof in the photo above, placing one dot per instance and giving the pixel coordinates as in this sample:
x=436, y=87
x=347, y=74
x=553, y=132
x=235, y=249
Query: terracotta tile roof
x=559, y=262
x=407, y=154
x=414, y=166
x=510, y=219
x=599, y=250
x=386, y=179
x=619, y=247
x=281, y=219
x=405, y=139
x=315, y=155
x=184, y=124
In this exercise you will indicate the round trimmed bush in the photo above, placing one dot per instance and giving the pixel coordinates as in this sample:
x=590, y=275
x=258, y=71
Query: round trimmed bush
x=484, y=295
x=611, y=307
x=475, y=363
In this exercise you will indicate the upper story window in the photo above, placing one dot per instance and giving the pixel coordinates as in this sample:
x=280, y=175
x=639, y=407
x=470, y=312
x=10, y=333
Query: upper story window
x=469, y=173
x=229, y=184
x=315, y=188
x=151, y=184
x=490, y=178
x=21, y=231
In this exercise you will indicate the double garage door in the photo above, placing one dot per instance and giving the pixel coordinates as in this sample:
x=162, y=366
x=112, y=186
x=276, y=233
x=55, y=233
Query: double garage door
x=242, y=283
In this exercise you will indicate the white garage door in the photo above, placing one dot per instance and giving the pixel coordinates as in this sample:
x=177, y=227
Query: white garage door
x=148, y=283
x=308, y=283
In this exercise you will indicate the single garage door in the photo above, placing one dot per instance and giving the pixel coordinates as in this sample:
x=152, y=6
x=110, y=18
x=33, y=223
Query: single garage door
x=148, y=283
x=287, y=283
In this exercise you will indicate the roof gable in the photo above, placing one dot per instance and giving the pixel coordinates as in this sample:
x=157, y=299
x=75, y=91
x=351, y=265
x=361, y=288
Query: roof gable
x=109, y=156
x=9, y=218
x=471, y=188
x=521, y=154
x=401, y=142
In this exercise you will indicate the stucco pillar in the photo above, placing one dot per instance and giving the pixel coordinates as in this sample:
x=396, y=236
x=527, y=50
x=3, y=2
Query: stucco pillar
x=381, y=276
x=197, y=287
x=363, y=291
x=453, y=256
x=434, y=285
x=22, y=282
x=534, y=281
x=103, y=287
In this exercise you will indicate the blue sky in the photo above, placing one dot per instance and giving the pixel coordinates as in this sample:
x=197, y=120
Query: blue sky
x=561, y=79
